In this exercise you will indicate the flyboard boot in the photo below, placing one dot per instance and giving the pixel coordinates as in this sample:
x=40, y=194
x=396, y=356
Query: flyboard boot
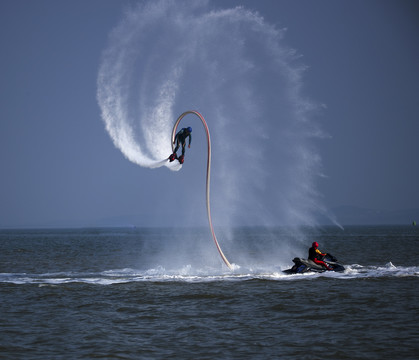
x=172, y=157
x=181, y=158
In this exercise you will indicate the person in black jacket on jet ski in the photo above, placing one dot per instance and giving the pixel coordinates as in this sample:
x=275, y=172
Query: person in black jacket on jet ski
x=314, y=254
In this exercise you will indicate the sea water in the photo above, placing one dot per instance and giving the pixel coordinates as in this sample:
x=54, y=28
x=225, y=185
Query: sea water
x=127, y=294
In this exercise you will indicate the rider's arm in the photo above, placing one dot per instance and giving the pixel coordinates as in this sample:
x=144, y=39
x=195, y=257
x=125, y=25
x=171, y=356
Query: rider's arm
x=319, y=252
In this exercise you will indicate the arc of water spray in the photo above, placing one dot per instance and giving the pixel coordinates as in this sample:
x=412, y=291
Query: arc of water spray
x=204, y=123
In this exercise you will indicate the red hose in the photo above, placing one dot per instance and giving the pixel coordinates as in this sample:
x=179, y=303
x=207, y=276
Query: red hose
x=208, y=174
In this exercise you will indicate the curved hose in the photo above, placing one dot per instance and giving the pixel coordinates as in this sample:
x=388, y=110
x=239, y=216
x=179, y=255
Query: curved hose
x=208, y=174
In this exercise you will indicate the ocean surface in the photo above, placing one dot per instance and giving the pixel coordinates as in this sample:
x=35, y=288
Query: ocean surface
x=165, y=294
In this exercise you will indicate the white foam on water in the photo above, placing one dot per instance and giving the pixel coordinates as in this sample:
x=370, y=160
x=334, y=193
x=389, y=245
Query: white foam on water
x=189, y=274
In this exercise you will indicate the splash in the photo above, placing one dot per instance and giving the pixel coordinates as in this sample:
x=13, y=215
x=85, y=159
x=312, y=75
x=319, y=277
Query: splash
x=191, y=275
x=232, y=66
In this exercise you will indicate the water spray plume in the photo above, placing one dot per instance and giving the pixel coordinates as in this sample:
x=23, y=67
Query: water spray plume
x=166, y=56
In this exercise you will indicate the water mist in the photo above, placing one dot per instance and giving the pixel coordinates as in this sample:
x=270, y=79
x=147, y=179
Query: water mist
x=166, y=57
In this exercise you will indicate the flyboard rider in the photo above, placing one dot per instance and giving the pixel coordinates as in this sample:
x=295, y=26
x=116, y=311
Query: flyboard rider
x=180, y=139
x=314, y=254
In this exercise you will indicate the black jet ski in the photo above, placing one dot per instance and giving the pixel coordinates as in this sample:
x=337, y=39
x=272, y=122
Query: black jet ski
x=304, y=265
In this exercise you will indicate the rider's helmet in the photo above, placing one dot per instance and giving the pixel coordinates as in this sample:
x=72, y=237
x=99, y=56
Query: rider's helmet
x=190, y=129
x=315, y=244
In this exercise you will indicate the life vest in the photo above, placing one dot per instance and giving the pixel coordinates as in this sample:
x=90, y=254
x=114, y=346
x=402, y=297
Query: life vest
x=183, y=134
x=314, y=254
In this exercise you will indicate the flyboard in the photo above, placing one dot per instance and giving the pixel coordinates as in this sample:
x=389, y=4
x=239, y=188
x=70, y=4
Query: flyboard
x=208, y=175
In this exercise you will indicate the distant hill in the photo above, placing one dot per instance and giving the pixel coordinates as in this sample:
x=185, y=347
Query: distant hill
x=352, y=215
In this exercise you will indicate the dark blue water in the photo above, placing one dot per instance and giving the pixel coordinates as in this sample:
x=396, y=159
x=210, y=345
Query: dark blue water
x=164, y=294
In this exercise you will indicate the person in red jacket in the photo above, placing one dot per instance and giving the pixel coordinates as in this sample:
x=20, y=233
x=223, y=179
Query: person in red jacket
x=315, y=254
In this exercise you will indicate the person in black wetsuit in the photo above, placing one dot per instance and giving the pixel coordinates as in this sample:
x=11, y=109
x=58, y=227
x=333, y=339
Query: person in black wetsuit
x=314, y=254
x=180, y=139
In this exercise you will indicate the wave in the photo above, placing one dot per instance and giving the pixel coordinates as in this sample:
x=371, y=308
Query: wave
x=190, y=275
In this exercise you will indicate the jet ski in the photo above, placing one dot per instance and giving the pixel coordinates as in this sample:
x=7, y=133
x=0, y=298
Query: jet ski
x=305, y=265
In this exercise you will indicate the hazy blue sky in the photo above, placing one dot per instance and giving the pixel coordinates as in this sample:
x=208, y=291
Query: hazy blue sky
x=59, y=166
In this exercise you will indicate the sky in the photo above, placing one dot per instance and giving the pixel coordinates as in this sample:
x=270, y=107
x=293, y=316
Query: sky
x=60, y=167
